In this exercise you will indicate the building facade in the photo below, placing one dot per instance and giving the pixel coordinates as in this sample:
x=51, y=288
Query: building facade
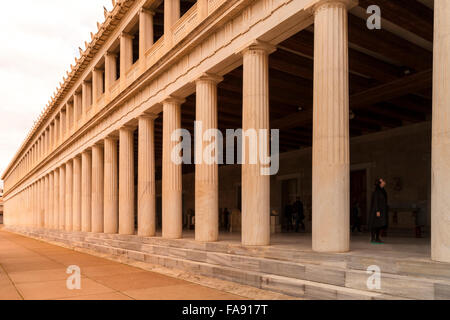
x=345, y=98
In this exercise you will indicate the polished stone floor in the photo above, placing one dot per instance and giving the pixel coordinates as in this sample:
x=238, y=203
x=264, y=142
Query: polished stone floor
x=34, y=270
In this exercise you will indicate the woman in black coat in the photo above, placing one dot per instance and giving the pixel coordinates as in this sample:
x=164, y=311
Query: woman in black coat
x=379, y=218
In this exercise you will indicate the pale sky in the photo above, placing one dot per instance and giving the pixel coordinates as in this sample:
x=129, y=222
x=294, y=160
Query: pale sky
x=39, y=41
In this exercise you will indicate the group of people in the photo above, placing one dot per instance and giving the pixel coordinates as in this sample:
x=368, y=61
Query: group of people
x=295, y=216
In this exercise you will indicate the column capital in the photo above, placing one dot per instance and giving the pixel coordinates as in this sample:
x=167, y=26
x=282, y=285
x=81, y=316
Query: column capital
x=209, y=77
x=145, y=10
x=148, y=115
x=112, y=136
x=111, y=54
x=316, y=5
x=174, y=99
x=258, y=45
x=87, y=150
x=128, y=127
x=124, y=34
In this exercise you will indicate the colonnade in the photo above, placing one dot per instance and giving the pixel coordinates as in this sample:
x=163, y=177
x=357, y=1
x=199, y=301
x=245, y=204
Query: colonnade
x=95, y=191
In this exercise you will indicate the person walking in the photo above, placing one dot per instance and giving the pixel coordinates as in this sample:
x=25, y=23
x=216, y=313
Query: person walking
x=379, y=212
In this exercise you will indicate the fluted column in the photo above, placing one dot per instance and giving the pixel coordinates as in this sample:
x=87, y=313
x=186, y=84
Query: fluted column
x=171, y=16
x=172, y=216
x=62, y=198
x=111, y=186
x=76, y=194
x=97, y=85
x=126, y=182
x=255, y=185
x=331, y=152
x=51, y=200
x=440, y=185
x=146, y=177
x=86, y=191
x=56, y=199
x=46, y=202
x=206, y=173
x=97, y=188
x=41, y=203
x=69, y=196
x=145, y=31
x=126, y=54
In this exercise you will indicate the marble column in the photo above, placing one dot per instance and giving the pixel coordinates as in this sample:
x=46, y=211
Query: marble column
x=46, y=202
x=331, y=141
x=146, y=35
x=171, y=16
x=97, y=85
x=86, y=94
x=76, y=211
x=440, y=184
x=172, y=216
x=55, y=224
x=126, y=181
x=126, y=54
x=255, y=185
x=111, y=187
x=86, y=191
x=206, y=173
x=146, y=177
x=77, y=107
x=97, y=188
x=62, y=198
x=69, y=196
x=110, y=70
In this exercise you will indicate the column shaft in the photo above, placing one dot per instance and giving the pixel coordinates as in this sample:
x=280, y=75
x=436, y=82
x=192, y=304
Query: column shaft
x=146, y=177
x=331, y=151
x=255, y=185
x=172, y=216
x=440, y=184
x=97, y=188
x=126, y=182
x=111, y=194
x=206, y=173
x=62, y=198
x=69, y=196
x=76, y=194
x=86, y=191
x=56, y=200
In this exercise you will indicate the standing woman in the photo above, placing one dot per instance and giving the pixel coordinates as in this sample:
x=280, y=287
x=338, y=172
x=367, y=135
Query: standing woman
x=378, y=219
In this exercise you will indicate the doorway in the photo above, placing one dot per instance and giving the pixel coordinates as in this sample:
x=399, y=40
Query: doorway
x=358, y=192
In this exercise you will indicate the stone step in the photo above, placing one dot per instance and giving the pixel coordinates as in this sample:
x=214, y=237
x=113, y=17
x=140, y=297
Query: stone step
x=416, y=287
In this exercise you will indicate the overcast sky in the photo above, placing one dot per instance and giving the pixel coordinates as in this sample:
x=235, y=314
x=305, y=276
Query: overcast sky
x=39, y=41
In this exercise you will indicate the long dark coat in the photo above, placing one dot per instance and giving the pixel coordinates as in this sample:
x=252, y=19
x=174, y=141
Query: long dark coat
x=379, y=204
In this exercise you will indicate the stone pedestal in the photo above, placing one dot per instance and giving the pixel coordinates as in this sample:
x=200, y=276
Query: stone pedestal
x=126, y=182
x=172, y=219
x=206, y=174
x=440, y=184
x=331, y=154
x=146, y=177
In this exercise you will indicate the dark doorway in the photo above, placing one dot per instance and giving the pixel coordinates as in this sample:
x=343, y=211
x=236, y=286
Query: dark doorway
x=358, y=192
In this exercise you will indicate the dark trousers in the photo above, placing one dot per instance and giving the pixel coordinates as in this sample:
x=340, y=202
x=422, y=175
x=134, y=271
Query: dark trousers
x=376, y=233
